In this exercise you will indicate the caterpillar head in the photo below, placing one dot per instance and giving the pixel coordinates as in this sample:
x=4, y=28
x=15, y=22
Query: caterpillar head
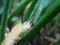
x=28, y=25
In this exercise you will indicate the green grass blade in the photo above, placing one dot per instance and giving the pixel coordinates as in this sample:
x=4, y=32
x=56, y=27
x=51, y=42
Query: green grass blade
x=36, y=12
x=29, y=11
x=4, y=20
x=22, y=5
x=50, y=13
x=11, y=5
x=40, y=6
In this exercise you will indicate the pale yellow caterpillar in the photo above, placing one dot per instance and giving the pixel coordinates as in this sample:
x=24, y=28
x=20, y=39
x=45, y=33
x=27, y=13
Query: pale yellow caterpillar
x=16, y=33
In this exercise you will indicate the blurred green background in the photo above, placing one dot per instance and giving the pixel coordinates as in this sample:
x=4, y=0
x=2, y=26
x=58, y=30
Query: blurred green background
x=45, y=14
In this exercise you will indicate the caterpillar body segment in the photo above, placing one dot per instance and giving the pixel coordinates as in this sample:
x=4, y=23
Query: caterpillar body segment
x=16, y=33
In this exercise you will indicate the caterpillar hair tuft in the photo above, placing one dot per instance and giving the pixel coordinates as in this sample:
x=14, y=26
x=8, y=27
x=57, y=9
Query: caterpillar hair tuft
x=16, y=33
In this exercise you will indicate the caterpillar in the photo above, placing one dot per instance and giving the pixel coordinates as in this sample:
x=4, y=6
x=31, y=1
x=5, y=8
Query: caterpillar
x=16, y=33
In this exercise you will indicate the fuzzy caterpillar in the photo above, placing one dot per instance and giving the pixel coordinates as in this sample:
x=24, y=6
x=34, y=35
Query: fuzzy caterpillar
x=16, y=33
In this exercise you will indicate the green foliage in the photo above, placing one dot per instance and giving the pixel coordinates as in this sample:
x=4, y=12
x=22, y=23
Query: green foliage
x=7, y=9
x=21, y=6
x=57, y=43
x=28, y=13
x=39, y=11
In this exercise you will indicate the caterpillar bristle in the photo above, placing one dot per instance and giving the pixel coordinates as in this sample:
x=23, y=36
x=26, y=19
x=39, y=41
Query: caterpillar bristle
x=16, y=33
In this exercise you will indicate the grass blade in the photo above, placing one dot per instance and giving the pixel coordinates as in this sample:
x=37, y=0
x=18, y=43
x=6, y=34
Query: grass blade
x=22, y=4
x=4, y=20
x=50, y=13
x=29, y=11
